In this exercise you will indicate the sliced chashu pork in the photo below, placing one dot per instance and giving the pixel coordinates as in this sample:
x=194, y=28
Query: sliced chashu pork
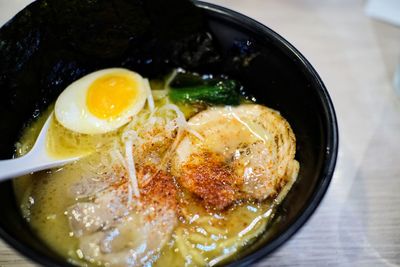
x=247, y=153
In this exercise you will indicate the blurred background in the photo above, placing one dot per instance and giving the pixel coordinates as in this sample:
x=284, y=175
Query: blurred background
x=355, y=47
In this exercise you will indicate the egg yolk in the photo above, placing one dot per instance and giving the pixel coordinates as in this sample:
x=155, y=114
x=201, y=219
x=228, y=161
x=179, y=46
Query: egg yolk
x=109, y=95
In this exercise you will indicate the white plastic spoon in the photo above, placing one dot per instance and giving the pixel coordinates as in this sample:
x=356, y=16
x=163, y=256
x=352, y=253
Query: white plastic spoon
x=36, y=159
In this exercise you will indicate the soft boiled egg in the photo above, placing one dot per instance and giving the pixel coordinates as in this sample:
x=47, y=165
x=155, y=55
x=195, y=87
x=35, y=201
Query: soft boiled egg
x=102, y=101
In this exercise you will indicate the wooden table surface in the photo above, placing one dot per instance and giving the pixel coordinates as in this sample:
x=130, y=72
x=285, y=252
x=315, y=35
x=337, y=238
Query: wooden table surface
x=358, y=222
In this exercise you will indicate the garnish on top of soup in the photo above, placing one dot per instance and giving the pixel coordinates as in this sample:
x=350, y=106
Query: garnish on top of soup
x=188, y=179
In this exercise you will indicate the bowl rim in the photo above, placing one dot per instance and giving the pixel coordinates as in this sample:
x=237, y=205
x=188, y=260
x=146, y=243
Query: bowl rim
x=327, y=170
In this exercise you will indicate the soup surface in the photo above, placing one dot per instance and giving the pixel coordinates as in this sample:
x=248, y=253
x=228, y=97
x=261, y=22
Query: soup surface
x=193, y=177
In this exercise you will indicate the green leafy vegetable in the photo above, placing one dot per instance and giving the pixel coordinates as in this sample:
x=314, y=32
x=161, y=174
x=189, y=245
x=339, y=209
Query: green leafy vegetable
x=218, y=92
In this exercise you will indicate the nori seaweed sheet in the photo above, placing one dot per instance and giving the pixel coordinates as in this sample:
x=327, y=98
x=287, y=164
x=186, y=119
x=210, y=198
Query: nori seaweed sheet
x=52, y=43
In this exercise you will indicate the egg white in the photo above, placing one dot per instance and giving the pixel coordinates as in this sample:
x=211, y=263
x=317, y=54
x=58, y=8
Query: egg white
x=72, y=112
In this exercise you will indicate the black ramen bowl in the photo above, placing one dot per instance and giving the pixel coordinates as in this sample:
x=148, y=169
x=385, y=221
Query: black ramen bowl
x=41, y=52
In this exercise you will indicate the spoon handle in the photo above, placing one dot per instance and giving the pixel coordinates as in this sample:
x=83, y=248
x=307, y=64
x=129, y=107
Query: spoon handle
x=29, y=163
x=37, y=158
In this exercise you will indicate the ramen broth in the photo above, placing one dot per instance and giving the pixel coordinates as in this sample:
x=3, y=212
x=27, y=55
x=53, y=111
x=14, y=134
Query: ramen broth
x=202, y=235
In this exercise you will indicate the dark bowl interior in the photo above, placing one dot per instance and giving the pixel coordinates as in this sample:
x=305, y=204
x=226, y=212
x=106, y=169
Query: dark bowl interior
x=270, y=69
